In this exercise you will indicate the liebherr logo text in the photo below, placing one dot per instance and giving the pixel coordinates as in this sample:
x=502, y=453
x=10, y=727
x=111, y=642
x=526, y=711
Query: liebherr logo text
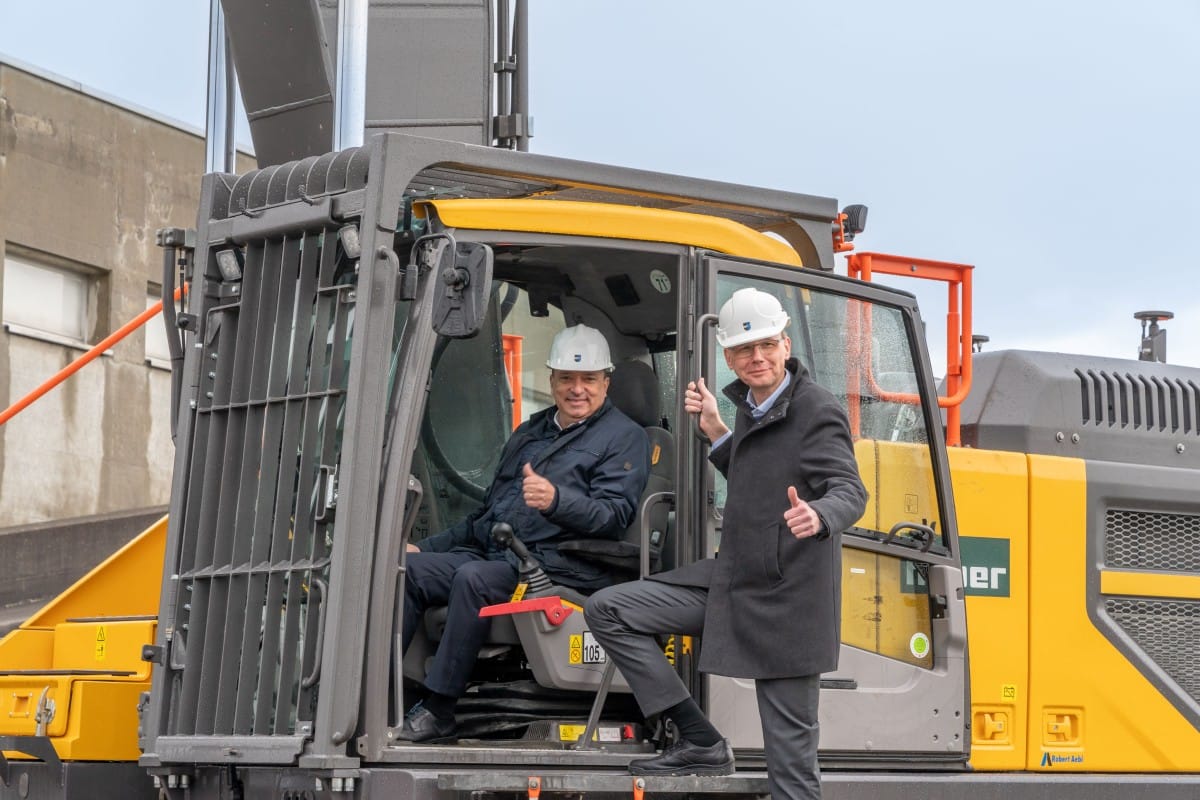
x=1050, y=760
x=985, y=568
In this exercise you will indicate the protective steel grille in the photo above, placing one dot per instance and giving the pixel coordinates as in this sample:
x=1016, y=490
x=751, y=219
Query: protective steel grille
x=1147, y=402
x=1152, y=540
x=1168, y=631
x=256, y=533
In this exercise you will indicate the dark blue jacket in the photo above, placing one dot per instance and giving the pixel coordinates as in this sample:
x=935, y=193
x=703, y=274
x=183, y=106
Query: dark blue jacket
x=599, y=469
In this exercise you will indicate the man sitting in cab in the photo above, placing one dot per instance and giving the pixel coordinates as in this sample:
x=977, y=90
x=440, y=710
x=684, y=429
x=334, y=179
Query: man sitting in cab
x=575, y=470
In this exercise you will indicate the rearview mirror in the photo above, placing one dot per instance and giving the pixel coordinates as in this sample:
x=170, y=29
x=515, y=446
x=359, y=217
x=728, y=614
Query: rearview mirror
x=460, y=303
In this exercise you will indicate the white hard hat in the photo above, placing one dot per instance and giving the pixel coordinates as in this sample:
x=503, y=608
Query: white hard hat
x=579, y=349
x=748, y=316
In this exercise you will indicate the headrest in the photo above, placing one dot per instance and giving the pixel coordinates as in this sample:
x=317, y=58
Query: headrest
x=634, y=390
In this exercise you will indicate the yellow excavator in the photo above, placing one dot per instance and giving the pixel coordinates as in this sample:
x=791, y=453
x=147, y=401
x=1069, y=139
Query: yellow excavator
x=363, y=328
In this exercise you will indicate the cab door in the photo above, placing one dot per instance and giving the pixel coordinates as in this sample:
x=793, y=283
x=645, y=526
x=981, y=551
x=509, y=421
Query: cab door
x=900, y=691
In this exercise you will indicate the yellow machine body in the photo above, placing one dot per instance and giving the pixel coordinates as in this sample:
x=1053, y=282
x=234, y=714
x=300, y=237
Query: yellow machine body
x=1049, y=691
x=73, y=672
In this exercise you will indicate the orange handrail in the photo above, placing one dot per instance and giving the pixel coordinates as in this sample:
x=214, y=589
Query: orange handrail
x=84, y=360
x=958, y=326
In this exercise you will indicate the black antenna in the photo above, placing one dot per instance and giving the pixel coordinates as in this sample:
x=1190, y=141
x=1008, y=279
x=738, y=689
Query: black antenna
x=1154, y=340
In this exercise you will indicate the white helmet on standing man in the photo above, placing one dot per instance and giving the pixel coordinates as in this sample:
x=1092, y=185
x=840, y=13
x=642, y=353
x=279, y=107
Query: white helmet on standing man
x=579, y=349
x=748, y=316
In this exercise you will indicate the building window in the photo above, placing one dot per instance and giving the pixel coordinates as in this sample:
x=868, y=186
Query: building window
x=158, y=354
x=47, y=302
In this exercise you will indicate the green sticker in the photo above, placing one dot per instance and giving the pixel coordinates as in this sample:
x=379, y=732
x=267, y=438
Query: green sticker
x=918, y=645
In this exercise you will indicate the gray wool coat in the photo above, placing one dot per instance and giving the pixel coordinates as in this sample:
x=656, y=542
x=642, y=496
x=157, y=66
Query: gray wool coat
x=774, y=601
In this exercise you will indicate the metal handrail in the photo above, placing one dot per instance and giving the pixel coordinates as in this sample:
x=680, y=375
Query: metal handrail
x=958, y=329
x=84, y=360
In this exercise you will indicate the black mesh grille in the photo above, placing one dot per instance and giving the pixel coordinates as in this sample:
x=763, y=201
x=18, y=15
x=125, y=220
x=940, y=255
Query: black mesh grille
x=1150, y=540
x=1168, y=631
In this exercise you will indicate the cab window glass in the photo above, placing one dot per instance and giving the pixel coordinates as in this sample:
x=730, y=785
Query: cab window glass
x=862, y=353
x=480, y=389
x=885, y=606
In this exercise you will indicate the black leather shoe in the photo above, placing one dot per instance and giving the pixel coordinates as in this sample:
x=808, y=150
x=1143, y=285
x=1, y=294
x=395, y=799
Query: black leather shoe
x=420, y=725
x=685, y=758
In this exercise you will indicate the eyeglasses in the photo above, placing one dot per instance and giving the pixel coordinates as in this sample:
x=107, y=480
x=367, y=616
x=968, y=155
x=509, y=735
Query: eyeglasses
x=746, y=351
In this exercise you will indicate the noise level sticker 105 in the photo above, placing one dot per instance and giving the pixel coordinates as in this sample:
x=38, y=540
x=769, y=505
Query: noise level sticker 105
x=584, y=649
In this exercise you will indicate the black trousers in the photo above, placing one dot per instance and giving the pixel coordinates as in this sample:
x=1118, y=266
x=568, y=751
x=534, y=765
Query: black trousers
x=464, y=583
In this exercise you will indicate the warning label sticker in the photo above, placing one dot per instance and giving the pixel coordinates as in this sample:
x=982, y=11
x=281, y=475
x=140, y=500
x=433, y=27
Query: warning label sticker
x=584, y=649
x=101, y=644
x=575, y=655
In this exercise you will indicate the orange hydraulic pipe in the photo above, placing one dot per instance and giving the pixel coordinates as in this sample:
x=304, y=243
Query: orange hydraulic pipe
x=85, y=359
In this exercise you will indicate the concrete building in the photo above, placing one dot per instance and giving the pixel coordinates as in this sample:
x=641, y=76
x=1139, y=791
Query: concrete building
x=85, y=181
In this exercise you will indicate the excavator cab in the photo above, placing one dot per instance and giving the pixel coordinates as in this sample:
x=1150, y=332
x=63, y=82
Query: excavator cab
x=365, y=331
x=903, y=630
x=484, y=386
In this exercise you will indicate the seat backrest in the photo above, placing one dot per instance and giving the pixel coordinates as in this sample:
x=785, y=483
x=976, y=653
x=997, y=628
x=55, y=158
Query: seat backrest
x=634, y=390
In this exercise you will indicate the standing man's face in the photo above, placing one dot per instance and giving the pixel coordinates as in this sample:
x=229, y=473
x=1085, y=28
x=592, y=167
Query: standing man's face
x=578, y=395
x=760, y=365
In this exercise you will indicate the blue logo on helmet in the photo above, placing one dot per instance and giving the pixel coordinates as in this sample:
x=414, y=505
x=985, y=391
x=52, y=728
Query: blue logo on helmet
x=578, y=357
x=745, y=326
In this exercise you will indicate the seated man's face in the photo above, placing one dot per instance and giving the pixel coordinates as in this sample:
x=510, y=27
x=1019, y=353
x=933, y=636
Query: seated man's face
x=578, y=395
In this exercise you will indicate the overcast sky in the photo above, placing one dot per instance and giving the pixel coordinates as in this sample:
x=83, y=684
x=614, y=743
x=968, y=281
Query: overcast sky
x=1051, y=144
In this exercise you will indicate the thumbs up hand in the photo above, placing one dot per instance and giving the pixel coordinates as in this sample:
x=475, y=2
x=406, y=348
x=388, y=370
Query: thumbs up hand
x=801, y=518
x=539, y=492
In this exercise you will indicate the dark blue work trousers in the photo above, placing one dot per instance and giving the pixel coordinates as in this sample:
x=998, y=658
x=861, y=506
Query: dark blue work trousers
x=464, y=583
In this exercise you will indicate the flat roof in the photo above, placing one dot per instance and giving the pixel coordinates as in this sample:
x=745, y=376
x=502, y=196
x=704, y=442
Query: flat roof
x=104, y=97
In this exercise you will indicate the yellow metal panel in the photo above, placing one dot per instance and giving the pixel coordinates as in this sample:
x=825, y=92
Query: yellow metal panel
x=1091, y=710
x=864, y=452
x=105, y=723
x=614, y=222
x=26, y=649
x=991, y=501
x=904, y=625
x=95, y=716
x=901, y=485
x=860, y=614
x=20, y=696
x=878, y=614
x=1150, y=584
x=126, y=584
x=104, y=645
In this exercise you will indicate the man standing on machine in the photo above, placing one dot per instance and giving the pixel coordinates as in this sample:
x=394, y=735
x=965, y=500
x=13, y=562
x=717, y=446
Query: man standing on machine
x=793, y=487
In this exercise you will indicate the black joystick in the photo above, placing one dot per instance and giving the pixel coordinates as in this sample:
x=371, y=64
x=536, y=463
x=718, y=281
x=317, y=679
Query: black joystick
x=535, y=580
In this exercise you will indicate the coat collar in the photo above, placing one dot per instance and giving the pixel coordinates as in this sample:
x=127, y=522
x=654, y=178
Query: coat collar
x=738, y=390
